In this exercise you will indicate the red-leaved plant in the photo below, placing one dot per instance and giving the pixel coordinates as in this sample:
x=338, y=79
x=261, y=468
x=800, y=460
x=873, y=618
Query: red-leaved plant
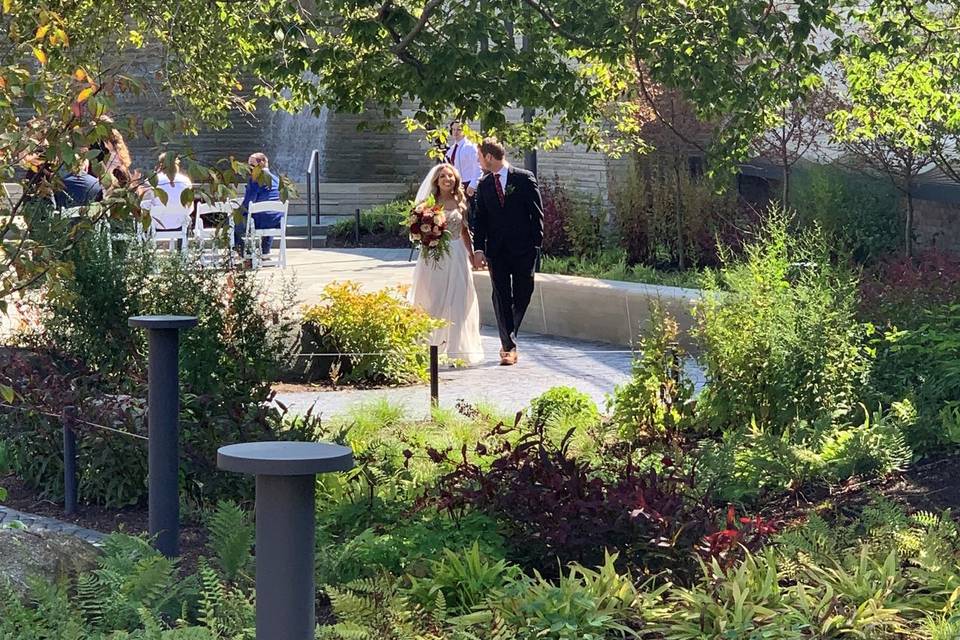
x=745, y=534
x=557, y=209
x=895, y=290
x=555, y=509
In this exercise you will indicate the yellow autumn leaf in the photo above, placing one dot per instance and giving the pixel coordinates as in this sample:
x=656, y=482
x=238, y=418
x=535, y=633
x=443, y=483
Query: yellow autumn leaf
x=40, y=55
x=7, y=6
x=42, y=31
x=79, y=75
x=86, y=93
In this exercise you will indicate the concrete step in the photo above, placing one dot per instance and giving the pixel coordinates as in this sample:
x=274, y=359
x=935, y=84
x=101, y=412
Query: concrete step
x=300, y=242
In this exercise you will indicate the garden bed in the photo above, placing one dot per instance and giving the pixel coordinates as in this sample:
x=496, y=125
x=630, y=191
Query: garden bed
x=132, y=520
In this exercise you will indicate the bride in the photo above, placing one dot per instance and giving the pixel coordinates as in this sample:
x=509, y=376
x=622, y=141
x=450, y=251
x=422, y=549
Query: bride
x=445, y=289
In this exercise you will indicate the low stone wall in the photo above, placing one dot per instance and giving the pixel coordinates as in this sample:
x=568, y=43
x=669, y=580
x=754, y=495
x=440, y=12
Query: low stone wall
x=591, y=309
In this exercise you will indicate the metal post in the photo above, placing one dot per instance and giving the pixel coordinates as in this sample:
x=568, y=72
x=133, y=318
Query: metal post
x=434, y=375
x=285, y=543
x=285, y=473
x=163, y=404
x=68, y=419
x=310, y=205
x=356, y=226
x=316, y=186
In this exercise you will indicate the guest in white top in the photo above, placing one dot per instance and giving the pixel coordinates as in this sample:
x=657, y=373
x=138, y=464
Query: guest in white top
x=172, y=215
x=462, y=154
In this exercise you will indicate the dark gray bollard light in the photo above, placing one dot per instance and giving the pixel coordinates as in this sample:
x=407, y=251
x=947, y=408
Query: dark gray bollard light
x=68, y=419
x=434, y=375
x=285, y=522
x=163, y=404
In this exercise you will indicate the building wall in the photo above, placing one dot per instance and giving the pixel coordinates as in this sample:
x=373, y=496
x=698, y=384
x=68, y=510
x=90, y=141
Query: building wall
x=937, y=226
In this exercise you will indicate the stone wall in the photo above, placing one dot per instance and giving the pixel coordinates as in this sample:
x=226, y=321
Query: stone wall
x=937, y=225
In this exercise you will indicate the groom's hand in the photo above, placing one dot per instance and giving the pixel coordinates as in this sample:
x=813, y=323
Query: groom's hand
x=479, y=260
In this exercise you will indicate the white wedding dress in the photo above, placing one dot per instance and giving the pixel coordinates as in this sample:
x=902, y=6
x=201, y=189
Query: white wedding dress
x=445, y=290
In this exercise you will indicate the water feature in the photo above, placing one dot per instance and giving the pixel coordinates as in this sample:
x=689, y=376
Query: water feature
x=289, y=138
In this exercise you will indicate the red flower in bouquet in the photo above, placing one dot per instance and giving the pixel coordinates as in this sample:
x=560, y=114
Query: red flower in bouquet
x=428, y=230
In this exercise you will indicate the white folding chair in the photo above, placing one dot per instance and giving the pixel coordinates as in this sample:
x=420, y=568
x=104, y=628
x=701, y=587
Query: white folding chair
x=206, y=235
x=254, y=235
x=169, y=224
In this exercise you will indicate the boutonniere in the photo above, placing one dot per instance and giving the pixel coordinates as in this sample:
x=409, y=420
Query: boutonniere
x=510, y=189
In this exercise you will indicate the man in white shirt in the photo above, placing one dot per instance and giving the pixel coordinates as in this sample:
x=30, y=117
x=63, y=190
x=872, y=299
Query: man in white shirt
x=462, y=154
x=172, y=215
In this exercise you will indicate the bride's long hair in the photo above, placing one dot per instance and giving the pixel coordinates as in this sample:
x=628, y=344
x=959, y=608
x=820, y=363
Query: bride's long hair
x=458, y=193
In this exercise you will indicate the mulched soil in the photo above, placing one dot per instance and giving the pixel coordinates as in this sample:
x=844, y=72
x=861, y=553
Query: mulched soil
x=933, y=485
x=132, y=520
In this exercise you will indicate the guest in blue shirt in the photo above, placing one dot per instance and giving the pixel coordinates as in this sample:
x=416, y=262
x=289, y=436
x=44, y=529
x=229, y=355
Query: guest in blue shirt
x=79, y=189
x=265, y=187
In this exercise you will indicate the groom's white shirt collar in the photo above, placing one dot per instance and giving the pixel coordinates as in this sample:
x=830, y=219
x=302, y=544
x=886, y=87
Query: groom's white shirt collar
x=502, y=176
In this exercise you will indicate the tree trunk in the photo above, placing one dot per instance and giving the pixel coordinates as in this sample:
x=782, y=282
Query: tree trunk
x=681, y=257
x=786, y=187
x=908, y=226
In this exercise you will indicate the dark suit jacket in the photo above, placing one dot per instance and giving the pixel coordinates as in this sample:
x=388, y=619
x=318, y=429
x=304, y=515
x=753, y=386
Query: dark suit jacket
x=515, y=228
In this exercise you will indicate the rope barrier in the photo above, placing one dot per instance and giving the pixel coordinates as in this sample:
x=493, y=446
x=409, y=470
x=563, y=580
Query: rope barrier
x=59, y=417
x=106, y=428
x=467, y=353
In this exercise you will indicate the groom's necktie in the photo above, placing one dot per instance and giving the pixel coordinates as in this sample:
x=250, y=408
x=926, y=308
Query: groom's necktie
x=496, y=182
x=453, y=156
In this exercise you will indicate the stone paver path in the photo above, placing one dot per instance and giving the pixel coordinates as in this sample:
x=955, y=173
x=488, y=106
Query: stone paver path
x=12, y=517
x=545, y=362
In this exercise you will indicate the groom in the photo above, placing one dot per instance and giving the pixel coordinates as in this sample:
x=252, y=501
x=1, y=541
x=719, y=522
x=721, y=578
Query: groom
x=507, y=234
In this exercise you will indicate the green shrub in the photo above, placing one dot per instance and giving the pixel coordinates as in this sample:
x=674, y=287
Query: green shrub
x=611, y=264
x=655, y=404
x=349, y=321
x=133, y=593
x=860, y=214
x=779, y=337
x=875, y=447
x=923, y=365
x=383, y=222
x=227, y=361
x=581, y=604
x=462, y=581
x=563, y=408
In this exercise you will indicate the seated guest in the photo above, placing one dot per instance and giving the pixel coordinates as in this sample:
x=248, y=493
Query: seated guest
x=79, y=188
x=115, y=156
x=174, y=213
x=263, y=186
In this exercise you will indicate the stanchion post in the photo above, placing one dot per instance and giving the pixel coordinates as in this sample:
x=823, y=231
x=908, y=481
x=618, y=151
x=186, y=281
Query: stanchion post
x=163, y=405
x=356, y=227
x=285, y=523
x=434, y=375
x=68, y=420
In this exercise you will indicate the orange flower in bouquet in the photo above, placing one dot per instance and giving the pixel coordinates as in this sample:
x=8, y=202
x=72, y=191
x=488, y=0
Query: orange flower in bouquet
x=428, y=230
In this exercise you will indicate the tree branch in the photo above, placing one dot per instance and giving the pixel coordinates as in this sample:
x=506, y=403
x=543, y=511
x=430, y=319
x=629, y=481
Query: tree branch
x=557, y=27
x=404, y=42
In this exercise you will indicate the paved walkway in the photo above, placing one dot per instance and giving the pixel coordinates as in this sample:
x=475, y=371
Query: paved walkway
x=12, y=517
x=545, y=362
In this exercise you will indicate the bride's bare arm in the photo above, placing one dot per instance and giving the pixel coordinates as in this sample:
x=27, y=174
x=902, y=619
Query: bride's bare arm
x=467, y=238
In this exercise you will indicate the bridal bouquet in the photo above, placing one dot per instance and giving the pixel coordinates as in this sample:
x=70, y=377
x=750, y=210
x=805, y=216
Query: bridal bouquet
x=428, y=230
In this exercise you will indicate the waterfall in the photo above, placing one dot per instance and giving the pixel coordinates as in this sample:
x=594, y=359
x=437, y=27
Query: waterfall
x=290, y=137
